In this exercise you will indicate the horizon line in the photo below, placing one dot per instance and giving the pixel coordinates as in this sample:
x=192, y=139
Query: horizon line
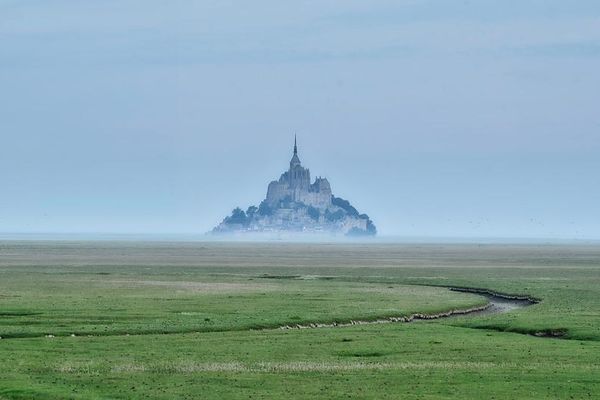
x=283, y=237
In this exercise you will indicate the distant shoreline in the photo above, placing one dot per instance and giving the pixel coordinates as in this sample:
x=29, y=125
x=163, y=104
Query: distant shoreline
x=284, y=238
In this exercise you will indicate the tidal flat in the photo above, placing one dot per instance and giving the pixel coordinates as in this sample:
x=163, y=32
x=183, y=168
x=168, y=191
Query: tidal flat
x=93, y=320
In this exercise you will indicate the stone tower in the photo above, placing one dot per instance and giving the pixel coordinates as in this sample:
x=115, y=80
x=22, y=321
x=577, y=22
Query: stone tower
x=294, y=185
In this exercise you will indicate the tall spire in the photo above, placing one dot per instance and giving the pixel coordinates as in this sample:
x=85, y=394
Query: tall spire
x=295, y=145
x=295, y=160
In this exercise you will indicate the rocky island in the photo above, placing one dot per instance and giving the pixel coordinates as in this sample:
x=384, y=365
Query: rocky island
x=294, y=204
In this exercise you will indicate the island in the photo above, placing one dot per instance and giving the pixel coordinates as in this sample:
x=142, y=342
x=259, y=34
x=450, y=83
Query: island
x=295, y=205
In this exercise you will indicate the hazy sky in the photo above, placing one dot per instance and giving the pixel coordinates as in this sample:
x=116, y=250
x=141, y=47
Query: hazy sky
x=437, y=118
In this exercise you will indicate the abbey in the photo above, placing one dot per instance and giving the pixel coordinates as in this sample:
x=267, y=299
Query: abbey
x=295, y=184
x=294, y=204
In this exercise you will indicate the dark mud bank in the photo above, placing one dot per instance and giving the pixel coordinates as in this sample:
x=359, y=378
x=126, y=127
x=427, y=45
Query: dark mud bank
x=486, y=292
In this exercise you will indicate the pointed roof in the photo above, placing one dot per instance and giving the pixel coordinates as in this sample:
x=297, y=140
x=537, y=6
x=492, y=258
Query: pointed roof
x=295, y=159
x=295, y=145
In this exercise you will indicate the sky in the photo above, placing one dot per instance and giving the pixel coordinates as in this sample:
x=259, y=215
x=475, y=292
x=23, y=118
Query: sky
x=438, y=118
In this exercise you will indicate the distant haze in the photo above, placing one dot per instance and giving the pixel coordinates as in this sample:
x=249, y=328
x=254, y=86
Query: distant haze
x=436, y=118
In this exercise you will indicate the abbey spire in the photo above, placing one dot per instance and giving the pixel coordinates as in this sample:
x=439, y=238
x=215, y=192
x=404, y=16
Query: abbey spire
x=295, y=161
x=295, y=145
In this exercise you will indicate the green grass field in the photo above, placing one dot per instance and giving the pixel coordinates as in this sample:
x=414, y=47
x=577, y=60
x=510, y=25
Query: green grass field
x=125, y=320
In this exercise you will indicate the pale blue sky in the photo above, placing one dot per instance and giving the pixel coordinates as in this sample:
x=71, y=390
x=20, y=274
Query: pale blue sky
x=437, y=118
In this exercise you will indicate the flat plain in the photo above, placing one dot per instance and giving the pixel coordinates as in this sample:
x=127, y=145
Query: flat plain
x=95, y=320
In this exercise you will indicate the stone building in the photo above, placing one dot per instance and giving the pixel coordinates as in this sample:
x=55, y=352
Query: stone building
x=294, y=185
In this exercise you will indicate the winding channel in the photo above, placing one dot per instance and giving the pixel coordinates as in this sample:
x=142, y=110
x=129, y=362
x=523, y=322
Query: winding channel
x=498, y=303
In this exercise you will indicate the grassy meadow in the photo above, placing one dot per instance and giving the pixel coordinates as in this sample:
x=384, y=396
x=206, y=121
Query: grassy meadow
x=103, y=320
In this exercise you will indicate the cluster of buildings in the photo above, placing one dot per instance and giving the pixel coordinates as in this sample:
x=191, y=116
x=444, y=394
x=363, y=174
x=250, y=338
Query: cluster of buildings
x=294, y=204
